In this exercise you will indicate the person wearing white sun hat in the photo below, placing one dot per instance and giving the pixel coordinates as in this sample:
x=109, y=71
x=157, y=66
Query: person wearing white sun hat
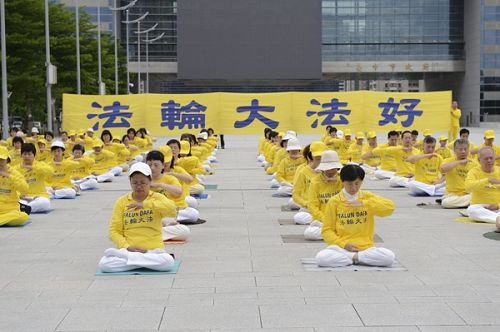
x=287, y=167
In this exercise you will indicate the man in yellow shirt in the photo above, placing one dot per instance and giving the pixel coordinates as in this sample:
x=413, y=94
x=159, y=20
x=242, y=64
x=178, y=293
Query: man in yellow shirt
x=323, y=187
x=484, y=185
x=404, y=169
x=15, y=152
x=443, y=149
x=455, y=113
x=372, y=163
x=11, y=184
x=428, y=179
x=356, y=149
x=455, y=170
x=302, y=181
x=387, y=167
x=349, y=224
x=103, y=161
x=36, y=174
x=489, y=138
x=60, y=185
x=287, y=167
x=136, y=227
x=43, y=154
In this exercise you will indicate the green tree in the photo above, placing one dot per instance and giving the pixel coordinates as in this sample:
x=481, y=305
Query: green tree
x=26, y=56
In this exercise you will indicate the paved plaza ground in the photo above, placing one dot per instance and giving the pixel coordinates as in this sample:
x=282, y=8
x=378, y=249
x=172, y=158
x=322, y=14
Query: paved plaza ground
x=236, y=272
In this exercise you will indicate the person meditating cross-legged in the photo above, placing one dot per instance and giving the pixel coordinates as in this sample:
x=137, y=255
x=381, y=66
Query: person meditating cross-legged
x=136, y=227
x=349, y=224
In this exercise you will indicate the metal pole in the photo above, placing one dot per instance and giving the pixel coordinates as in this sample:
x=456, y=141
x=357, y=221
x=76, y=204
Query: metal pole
x=5, y=97
x=116, y=49
x=99, y=80
x=78, y=78
x=139, y=57
x=128, y=73
x=147, y=64
x=47, y=64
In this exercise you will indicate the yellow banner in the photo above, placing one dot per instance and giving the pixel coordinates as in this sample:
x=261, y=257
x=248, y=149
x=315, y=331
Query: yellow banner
x=249, y=113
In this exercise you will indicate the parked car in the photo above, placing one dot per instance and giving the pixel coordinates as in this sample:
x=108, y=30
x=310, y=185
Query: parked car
x=17, y=124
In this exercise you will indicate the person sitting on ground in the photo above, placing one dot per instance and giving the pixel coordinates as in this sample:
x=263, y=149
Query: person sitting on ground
x=192, y=165
x=36, y=174
x=489, y=138
x=484, y=185
x=287, y=167
x=372, y=163
x=11, y=184
x=49, y=137
x=455, y=170
x=43, y=154
x=428, y=179
x=82, y=175
x=262, y=143
x=443, y=149
x=349, y=224
x=136, y=227
x=103, y=162
x=387, y=167
x=464, y=134
x=355, y=151
x=303, y=177
x=60, y=185
x=404, y=169
x=180, y=173
x=15, y=152
x=322, y=188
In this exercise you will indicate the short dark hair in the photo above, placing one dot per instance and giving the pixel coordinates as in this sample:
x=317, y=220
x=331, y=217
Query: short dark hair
x=130, y=130
x=332, y=130
x=17, y=139
x=306, y=152
x=414, y=132
x=406, y=131
x=28, y=147
x=123, y=138
x=464, y=131
x=106, y=132
x=174, y=141
x=49, y=133
x=429, y=140
x=266, y=130
x=155, y=155
x=79, y=147
x=392, y=133
x=351, y=173
x=460, y=141
x=14, y=129
x=273, y=134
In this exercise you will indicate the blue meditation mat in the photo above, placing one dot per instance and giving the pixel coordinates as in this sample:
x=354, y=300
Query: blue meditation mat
x=141, y=271
x=200, y=196
x=25, y=224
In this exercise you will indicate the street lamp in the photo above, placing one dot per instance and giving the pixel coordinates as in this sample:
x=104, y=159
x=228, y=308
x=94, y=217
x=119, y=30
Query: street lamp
x=102, y=88
x=77, y=20
x=149, y=41
x=5, y=96
x=139, y=32
x=137, y=20
x=50, y=69
x=118, y=9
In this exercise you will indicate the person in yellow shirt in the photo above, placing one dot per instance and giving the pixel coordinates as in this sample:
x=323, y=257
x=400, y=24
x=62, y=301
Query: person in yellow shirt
x=36, y=174
x=116, y=149
x=192, y=165
x=303, y=177
x=89, y=139
x=11, y=184
x=327, y=134
x=60, y=185
x=135, y=154
x=370, y=164
x=262, y=141
x=404, y=169
x=180, y=173
x=172, y=189
x=280, y=154
x=333, y=140
x=82, y=175
x=12, y=133
x=15, y=152
x=286, y=170
x=489, y=138
x=484, y=185
x=341, y=144
x=349, y=224
x=103, y=160
x=323, y=187
x=428, y=179
x=387, y=167
x=34, y=136
x=43, y=154
x=355, y=150
x=455, y=170
x=456, y=113
x=136, y=227
x=443, y=149
x=274, y=146
x=464, y=134
x=205, y=151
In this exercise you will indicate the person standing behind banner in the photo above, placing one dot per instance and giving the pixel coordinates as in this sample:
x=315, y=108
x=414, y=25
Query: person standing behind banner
x=456, y=169
x=456, y=113
x=136, y=227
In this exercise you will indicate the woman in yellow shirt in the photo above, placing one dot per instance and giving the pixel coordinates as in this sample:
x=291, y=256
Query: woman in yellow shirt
x=180, y=173
x=192, y=165
x=136, y=227
x=286, y=170
x=262, y=141
x=11, y=183
x=349, y=224
x=322, y=188
x=82, y=175
x=60, y=185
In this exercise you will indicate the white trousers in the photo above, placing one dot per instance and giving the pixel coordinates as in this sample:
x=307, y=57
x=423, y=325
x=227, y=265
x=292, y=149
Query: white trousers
x=284, y=190
x=383, y=175
x=292, y=204
x=302, y=218
x=313, y=231
x=63, y=193
x=39, y=204
x=274, y=183
x=451, y=201
x=106, y=177
x=368, y=169
x=188, y=213
x=261, y=158
x=212, y=158
x=200, y=178
x=87, y=183
x=176, y=232
x=119, y=260
x=117, y=171
x=480, y=213
x=139, y=158
x=421, y=189
x=334, y=256
x=192, y=202
x=399, y=181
